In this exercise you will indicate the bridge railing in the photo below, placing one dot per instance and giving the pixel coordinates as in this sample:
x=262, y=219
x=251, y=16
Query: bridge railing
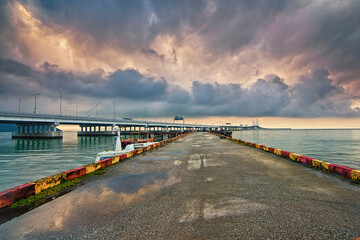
x=96, y=119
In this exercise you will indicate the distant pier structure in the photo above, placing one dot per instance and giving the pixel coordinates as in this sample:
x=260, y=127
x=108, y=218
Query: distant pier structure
x=45, y=126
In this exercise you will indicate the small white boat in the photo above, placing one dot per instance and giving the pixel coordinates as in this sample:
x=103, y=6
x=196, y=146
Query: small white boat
x=118, y=150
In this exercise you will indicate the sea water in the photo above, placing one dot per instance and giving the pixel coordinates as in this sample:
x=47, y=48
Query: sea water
x=335, y=146
x=25, y=160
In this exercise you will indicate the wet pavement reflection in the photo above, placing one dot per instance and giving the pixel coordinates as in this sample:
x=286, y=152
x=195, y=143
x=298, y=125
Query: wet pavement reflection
x=130, y=183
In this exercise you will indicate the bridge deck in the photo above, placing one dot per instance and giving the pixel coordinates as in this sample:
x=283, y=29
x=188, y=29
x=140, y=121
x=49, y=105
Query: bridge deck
x=200, y=187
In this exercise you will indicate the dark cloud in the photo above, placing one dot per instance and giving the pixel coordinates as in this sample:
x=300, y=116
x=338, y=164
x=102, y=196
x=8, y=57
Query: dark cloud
x=325, y=32
x=264, y=97
x=323, y=36
x=178, y=95
x=127, y=84
x=7, y=31
x=9, y=66
x=314, y=95
x=133, y=24
x=215, y=94
x=133, y=85
x=313, y=87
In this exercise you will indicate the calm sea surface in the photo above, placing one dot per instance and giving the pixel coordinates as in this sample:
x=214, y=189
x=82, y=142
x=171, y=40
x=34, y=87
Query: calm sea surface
x=335, y=146
x=25, y=160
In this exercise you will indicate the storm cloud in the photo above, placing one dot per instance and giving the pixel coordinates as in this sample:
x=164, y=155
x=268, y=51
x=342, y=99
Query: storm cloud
x=197, y=58
x=128, y=84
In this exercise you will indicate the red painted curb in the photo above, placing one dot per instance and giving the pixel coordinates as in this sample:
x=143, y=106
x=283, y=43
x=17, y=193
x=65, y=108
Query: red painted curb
x=341, y=170
x=6, y=198
x=24, y=191
x=306, y=160
x=75, y=173
x=9, y=196
x=106, y=162
x=333, y=168
x=123, y=156
x=285, y=154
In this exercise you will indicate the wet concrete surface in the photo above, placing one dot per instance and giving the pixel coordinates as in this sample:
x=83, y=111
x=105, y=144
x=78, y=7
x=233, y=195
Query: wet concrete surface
x=200, y=187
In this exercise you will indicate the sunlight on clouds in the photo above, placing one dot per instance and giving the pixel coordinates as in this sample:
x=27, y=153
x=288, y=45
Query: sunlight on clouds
x=187, y=60
x=39, y=43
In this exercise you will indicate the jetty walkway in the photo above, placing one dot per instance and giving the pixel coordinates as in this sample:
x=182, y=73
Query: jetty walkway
x=199, y=187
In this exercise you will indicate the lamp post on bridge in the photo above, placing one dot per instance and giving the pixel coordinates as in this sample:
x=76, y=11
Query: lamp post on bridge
x=76, y=110
x=19, y=104
x=35, y=95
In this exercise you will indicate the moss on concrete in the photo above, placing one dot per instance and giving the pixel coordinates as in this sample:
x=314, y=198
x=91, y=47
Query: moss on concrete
x=55, y=190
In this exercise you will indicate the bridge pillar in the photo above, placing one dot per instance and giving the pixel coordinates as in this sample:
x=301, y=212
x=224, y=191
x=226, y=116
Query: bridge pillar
x=96, y=130
x=27, y=130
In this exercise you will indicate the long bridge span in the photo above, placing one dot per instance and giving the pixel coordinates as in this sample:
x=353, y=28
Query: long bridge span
x=31, y=125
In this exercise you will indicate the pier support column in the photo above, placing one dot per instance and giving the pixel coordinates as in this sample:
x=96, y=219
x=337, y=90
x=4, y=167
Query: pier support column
x=36, y=131
x=96, y=130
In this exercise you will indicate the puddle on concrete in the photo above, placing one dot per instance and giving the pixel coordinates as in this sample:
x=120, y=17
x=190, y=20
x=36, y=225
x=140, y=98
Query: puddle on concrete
x=195, y=162
x=213, y=163
x=208, y=209
x=131, y=183
x=198, y=161
x=192, y=211
x=227, y=207
x=95, y=200
x=209, y=179
x=177, y=162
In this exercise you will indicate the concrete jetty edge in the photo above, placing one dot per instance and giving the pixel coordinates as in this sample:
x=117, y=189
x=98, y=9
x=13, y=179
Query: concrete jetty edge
x=345, y=172
x=8, y=197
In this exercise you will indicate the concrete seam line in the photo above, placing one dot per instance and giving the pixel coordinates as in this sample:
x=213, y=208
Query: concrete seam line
x=8, y=197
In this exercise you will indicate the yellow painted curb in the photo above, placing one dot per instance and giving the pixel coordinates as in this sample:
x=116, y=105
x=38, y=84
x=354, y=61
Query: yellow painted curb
x=265, y=148
x=355, y=174
x=325, y=165
x=277, y=152
x=115, y=159
x=294, y=156
x=257, y=145
x=317, y=163
x=92, y=167
x=48, y=182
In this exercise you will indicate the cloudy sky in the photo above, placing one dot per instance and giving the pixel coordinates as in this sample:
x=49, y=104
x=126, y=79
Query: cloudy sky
x=282, y=61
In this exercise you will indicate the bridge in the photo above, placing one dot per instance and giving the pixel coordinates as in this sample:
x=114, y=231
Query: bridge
x=30, y=125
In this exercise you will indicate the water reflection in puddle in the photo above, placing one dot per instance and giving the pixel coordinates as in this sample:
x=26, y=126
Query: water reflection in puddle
x=131, y=183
